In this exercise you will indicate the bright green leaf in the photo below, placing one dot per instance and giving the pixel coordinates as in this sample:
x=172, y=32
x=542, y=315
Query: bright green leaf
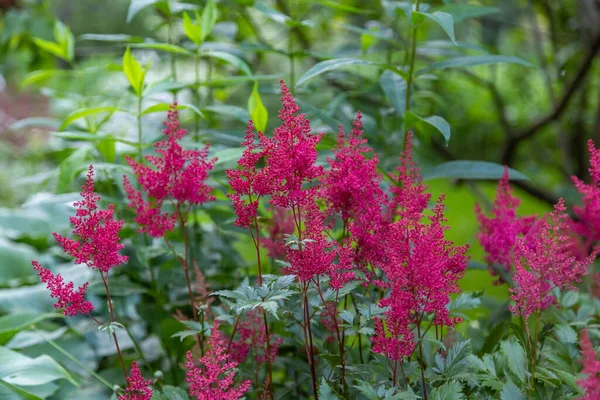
x=85, y=112
x=443, y=19
x=256, y=109
x=51, y=47
x=134, y=72
x=192, y=31
x=208, y=18
x=440, y=124
x=163, y=107
x=41, y=76
x=166, y=47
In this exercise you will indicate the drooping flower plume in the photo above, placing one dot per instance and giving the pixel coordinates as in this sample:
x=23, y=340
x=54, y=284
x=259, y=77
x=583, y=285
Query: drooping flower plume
x=96, y=232
x=499, y=232
x=591, y=368
x=589, y=213
x=137, y=387
x=212, y=376
x=70, y=301
x=545, y=260
x=177, y=174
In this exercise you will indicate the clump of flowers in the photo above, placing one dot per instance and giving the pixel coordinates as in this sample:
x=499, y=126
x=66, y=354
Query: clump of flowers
x=72, y=302
x=544, y=261
x=137, y=387
x=252, y=340
x=499, y=232
x=177, y=175
x=212, y=376
x=591, y=368
x=589, y=213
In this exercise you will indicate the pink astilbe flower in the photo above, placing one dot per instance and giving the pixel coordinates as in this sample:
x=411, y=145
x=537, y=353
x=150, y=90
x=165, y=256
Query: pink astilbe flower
x=252, y=340
x=97, y=232
x=591, y=367
x=72, y=302
x=137, y=387
x=281, y=224
x=421, y=267
x=178, y=175
x=545, y=261
x=499, y=232
x=589, y=214
x=212, y=377
x=291, y=156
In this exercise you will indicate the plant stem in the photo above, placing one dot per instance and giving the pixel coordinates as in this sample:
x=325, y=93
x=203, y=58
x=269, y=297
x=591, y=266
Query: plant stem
x=411, y=68
x=291, y=53
x=421, y=360
x=112, y=319
x=534, y=354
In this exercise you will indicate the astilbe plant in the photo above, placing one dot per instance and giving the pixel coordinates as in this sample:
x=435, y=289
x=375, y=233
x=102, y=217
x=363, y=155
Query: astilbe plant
x=589, y=213
x=591, y=368
x=137, y=387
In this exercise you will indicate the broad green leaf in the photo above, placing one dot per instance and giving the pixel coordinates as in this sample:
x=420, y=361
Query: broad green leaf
x=440, y=124
x=470, y=61
x=256, y=109
x=208, y=18
x=229, y=58
x=71, y=166
x=443, y=19
x=163, y=107
x=463, y=11
x=465, y=169
x=565, y=333
x=23, y=394
x=329, y=65
x=394, y=87
x=15, y=261
x=448, y=391
x=192, y=31
x=18, y=369
x=85, y=112
x=515, y=355
x=232, y=111
x=570, y=298
x=138, y=5
x=11, y=324
x=166, y=47
x=41, y=76
x=325, y=392
x=51, y=47
x=134, y=72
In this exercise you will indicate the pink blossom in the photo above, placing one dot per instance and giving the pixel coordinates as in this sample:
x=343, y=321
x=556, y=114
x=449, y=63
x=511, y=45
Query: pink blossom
x=499, y=232
x=212, y=376
x=97, y=233
x=137, y=387
x=591, y=367
x=253, y=338
x=178, y=175
x=544, y=261
x=589, y=212
x=72, y=302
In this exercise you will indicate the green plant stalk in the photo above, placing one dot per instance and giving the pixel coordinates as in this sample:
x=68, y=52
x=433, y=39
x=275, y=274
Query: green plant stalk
x=534, y=354
x=421, y=360
x=291, y=53
x=75, y=360
x=411, y=70
x=112, y=319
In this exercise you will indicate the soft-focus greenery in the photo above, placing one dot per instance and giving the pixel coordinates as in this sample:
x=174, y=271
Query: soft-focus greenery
x=516, y=81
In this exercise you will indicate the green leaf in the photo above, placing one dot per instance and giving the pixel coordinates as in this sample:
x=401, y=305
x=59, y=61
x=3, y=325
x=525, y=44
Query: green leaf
x=231, y=111
x=569, y=299
x=394, y=87
x=435, y=121
x=565, y=334
x=325, y=392
x=163, y=107
x=41, y=76
x=329, y=65
x=166, y=47
x=448, y=391
x=510, y=391
x=463, y=11
x=138, y=5
x=170, y=393
x=134, y=72
x=11, y=324
x=18, y=369
x=443, y=19
x=111, y=37
x=15, y=261
x=51, y=47
x=470, y=61
x=465, y=169
x=21, y=392
x=256, y=109
x=229, y=58
x=208, y=18
x=515, y=356
x=192, y=31
x=45, y=122
x=71, y=166
x=65, y=39
x=85, y=112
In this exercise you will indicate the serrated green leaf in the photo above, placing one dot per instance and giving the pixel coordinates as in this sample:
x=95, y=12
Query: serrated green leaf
x=435, y=121
x=515, y=356
x=470, y=61
x=330, y=65
x=510, y=391
x=394, y=87
x=465, y=169
x=134, y=72
x=257, y=111
x=448, y=391
x=565, y=333
x=325, y=392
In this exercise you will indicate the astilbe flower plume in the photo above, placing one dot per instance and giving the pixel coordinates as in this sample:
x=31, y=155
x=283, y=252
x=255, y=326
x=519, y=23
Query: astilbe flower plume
x=545, y=261
x=212, y=376
x=421, y=268
x=498, y=233
x=72, y=302
x=589, y=213
x=96, y=231
x=137, y=387
x=252, y=340
x=178, y=175
x=591, y=368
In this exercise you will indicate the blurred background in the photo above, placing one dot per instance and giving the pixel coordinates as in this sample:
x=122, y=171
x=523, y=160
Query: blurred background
x=509, y=82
